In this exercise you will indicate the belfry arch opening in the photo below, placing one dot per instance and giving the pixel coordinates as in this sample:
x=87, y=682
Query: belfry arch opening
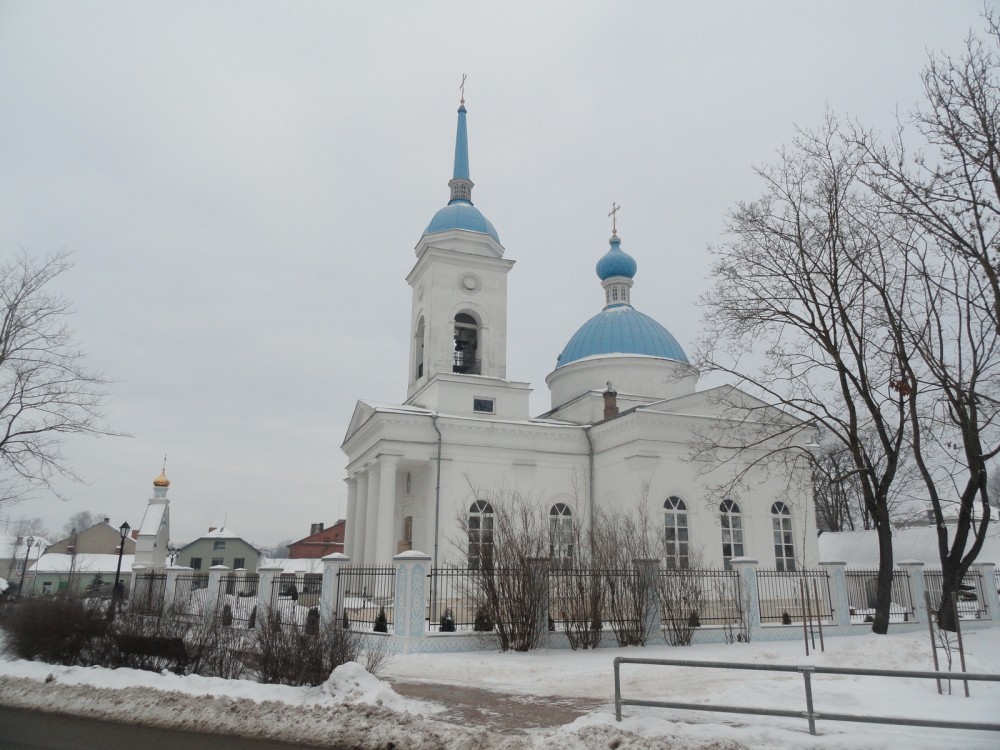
x=466, y=351
x=418, y=350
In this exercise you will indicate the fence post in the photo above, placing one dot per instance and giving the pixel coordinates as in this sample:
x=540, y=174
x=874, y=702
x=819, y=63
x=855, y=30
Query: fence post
x=170, y=587
x=538, y=568
x=410, y=602
x=746, y=568
x=649, y=571
x=215, y=574
x=266, y=577
x=915, y=575
x=988, y=572
x=837, y=572
x=331, y=596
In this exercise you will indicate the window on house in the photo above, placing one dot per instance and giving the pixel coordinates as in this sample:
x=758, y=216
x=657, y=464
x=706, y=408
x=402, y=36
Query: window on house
x=480, y=535
x=239, y=562
x=196, y=563
x=732, y=531
x=784, y=547
x=217, y=561
x=484, y=405
x=561, y=535
x=47, y=587
x=219, y=544
x=408, y=530
x=675, y=530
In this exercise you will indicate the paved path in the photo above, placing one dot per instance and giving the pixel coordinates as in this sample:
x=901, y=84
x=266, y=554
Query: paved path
x=509, y=713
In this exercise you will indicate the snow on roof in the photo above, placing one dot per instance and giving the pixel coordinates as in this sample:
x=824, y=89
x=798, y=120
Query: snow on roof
x=59, y=562
x=294, y=565
x=220, y=533
x=859, y=549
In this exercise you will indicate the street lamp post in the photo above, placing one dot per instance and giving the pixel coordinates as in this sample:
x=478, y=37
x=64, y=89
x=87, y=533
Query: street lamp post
x=123, y=530
x=24, y=570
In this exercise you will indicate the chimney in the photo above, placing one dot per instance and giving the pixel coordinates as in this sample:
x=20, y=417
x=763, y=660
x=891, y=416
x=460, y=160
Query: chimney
x=315, y=528
x=610, y=402
x=107, y=520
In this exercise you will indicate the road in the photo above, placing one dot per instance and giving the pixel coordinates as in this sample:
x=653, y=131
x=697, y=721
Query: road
x=21, y=729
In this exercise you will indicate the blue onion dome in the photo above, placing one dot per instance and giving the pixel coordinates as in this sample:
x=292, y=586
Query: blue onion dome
x=621, y=330
x=616, y=262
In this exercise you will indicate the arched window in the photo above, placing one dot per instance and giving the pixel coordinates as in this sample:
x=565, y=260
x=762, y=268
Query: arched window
x=480, y=535
x=675, y=530
x=418, y=350
x=732, y=531
x=561, y=535
x=466, y=355
x=784, y=547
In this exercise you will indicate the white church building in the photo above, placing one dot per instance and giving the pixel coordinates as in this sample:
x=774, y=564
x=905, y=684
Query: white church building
x=625, y=411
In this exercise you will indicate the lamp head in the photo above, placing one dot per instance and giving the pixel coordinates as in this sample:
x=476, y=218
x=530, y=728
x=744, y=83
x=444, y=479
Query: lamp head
x=124, y=529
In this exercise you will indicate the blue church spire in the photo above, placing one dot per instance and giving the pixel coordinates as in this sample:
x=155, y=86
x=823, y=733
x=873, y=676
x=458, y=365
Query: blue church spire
x=460, y=213
x=461, y=184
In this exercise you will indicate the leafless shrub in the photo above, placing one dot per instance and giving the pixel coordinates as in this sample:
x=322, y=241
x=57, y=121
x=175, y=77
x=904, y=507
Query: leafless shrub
x=56, y=629
x=504, y=549
x=290, y=655
x=682, y=596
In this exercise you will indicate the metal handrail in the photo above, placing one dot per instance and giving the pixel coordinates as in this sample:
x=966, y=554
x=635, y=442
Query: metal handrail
x=810, y=714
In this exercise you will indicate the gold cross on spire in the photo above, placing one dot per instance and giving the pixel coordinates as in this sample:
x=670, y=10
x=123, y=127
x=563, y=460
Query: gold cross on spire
x=615, y=208
x=461, y=87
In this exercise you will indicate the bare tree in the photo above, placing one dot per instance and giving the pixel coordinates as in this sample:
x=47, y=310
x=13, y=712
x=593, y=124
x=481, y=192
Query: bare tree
x=46, y=391
x=840, y=505
x=794, y=317
x=949, y=194
x=81, y=520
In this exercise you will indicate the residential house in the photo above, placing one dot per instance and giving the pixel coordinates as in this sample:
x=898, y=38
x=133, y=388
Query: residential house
x=84, y=560
x=320, y=542
x=219, y=546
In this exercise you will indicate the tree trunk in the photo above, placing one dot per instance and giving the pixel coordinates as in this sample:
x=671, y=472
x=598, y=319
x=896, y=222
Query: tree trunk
x=883, y=591
x=951, y=582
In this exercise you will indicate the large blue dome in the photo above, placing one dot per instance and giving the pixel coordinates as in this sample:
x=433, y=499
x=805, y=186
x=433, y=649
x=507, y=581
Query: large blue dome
x=621, y=330
x=461, y=215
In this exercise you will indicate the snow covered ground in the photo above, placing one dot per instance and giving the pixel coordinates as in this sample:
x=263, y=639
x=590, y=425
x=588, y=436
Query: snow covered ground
x=357, y=709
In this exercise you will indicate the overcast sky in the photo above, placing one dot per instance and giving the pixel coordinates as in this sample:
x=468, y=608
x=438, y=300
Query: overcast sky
x=243, y=183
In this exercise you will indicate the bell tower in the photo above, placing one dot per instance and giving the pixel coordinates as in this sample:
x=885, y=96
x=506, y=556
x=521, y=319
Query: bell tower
x=458, y=324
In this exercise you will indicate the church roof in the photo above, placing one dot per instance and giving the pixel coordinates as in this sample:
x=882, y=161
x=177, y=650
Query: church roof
x=621, y=329
x=460, y=213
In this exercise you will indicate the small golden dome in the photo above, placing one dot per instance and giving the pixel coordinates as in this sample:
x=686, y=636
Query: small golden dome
x=161, y=481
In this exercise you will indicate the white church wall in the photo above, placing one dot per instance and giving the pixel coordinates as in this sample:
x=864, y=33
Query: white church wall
x=652, y=377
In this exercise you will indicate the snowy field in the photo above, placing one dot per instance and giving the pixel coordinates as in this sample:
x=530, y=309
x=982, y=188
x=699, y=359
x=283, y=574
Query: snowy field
x=361, y=711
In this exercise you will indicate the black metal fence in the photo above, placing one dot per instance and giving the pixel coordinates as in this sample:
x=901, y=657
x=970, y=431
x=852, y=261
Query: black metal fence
x=971, y=598
x=294, y=596
x=788, y=597
x=149, y=592
x=191, y=594
x=237, y=599
x=366, y=593
x=706, y=597
x=455, y=592
x=862, y=587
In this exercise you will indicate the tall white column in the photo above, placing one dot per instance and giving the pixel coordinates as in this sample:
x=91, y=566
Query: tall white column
x=384, y=551
x=361, y=524
x=352, y=514
x=371, y=525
